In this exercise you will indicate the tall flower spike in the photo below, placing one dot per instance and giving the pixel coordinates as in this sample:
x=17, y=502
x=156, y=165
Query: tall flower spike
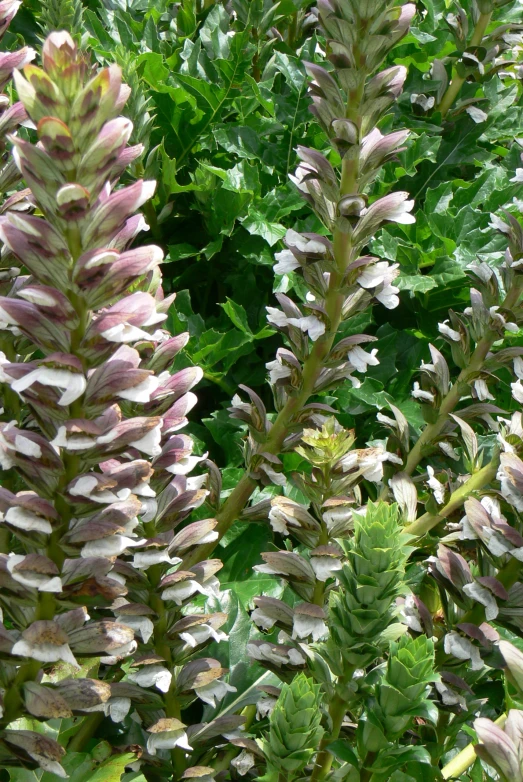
x=98, y=470
x=11, y=117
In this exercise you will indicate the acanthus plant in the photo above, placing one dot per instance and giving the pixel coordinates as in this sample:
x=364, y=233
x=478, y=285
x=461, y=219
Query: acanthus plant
x=96, y=465
x=383, y=640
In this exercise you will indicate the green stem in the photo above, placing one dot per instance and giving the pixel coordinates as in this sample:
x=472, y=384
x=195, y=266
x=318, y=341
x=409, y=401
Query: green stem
x=432, y=431
x=5, y=543
x=450, y=401
x=324, y=759
x=476, y=481
x=366, y=771
x=457, y=82
x=86, y=732
x=224, y=763
x=13, y=700
x=318, y=596
x=311, y=370
x=461, y=762
x=220, y=382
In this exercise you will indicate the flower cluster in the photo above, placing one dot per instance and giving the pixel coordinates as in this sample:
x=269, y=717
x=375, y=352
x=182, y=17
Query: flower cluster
x=11, y=118
x=97, y=468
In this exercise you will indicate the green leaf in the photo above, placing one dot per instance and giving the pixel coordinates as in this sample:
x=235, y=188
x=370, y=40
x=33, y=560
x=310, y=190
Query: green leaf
x=256, y=224
x=342, y=750
x=237, y=315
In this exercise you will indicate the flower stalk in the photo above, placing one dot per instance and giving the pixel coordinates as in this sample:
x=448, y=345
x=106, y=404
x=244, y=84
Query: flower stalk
x=458, y=81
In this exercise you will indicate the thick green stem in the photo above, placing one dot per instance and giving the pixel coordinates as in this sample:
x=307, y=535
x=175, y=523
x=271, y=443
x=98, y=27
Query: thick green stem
x=461, y=762
x=457, y=82
x=324, y=760
x=476, y=481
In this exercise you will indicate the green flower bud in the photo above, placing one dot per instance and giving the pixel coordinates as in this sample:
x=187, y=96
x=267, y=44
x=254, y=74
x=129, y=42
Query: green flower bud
x=295, y=730
x=371, y=580
x=401, y=694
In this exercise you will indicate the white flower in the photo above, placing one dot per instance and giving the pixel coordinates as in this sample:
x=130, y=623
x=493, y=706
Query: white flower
x=324, y=567
x=476, y=114
x=185, y=589
x=449, y=450
x=483, y=596
x=195, y=482
x=155, y=556
x=303, y=244
x=509, y=491
x=201, y=633
x=518, y=367
x=277, y=371
x=448, y=332
x=185, y=465
x=378, y=274
x=388, y=297
x=418, y=393
x=497, y=316
x=310, y=325
x=496, y=223
x=411, y=614
x=265, y=705
x=27, y=447
x=519, y=175
x=463, y=649
x=304, y=626
x=243, y=762
x=112, y=546
x=393, y=207
x=117, y=708
x=437, y=487
x=124, y=333
x=150, y=443
x=214, y=691
x=72, y=383
x=267, y=652
x=85, y=487
x=151, y=676
x=140, y=624
x=4, y=377
x=381, y=274
x=277, y=317
x=262, y=619
x=168, y=739
x=517, y=391
x=72, y=442
x=44, y=652
x=27, y=520
x=142, y=392
x=286, y=262
x=32, y=579
x=360, y=359
x=482, y=391
x=370, y=462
